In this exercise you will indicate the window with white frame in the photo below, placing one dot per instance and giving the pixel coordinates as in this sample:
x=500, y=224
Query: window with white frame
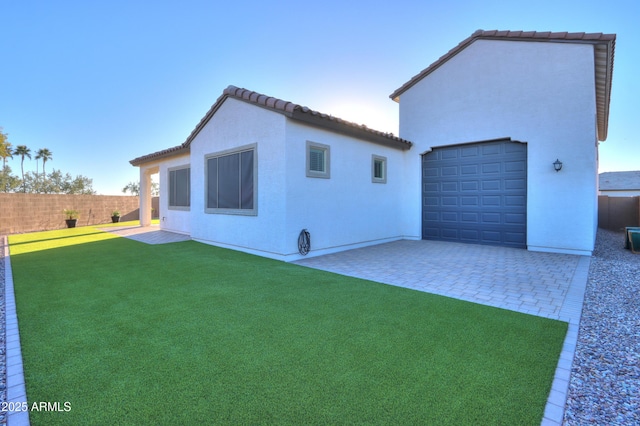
x=318, y=160
x=180, y=188
x=231, y=184
x=378, y=169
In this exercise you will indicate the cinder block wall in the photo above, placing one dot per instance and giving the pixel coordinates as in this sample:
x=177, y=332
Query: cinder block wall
x=38, y=212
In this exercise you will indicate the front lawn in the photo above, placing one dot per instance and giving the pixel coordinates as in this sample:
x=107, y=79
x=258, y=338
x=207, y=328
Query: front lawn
x=187, y=334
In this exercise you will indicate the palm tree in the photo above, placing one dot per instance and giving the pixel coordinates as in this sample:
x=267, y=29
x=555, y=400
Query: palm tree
x=22, y=151
x=45, y=155
x=5, y=148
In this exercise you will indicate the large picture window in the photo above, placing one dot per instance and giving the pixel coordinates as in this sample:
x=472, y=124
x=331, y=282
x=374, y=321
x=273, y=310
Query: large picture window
x=180, y=188
x=231, y=181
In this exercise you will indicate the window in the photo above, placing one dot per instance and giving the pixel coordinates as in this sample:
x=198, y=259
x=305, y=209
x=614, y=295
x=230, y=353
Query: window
x=180, y=188
x=378, y=169
x=231, y=181
x=318, y=164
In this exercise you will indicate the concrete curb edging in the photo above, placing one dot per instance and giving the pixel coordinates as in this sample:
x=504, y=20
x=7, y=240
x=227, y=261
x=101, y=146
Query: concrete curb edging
x=16, y=390
x=570, y=312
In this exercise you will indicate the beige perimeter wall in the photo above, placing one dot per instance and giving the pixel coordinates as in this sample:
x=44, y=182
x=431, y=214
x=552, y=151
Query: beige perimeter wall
x=37, y=212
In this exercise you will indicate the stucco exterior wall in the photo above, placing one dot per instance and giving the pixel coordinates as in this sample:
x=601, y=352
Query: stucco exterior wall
x=238, y=124
x=345, y=211
x=348, y=210
x=172, y=219
x=539, y=93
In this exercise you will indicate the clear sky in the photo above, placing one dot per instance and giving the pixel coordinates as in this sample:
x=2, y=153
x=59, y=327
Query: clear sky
x=99, y=83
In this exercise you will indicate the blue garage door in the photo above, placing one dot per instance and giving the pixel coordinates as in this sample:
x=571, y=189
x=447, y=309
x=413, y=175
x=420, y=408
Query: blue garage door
x=476, y=193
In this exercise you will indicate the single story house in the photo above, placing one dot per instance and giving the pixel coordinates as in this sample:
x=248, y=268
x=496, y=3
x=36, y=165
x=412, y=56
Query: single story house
x=620, y=184
x=498, y=145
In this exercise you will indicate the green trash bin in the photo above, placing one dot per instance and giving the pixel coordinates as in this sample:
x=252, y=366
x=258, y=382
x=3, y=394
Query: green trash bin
x=634, y=240
x=627, y=237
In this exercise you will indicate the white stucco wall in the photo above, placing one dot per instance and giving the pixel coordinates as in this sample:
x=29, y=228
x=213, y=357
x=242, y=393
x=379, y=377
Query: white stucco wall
x=236, y=124
x=172, y=219
x=540, y=93
x=347, y=210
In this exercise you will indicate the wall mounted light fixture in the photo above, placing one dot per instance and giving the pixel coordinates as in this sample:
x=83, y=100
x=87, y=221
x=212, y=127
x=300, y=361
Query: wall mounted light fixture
x=557, y=165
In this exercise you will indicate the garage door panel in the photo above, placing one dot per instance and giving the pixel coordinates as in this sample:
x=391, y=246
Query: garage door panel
x=492, y=185
x=491, y=200
x=449, y=201
x=471, y=185
x=476, y=193
x=431, y=201
x=449, y=153
x=491, y=237
x=430, y=172
x=491, y=168
x=470, y=235
x=469, y=170
x=430, y=187
x=514, y=184
x=470, y=151
x=514, y=218
x=449, y=187
x=449, y=171
x=488, y=150
x=451, y=217
x=515, y=200
x=470, y=217
x=515, y=166
x=492, y=217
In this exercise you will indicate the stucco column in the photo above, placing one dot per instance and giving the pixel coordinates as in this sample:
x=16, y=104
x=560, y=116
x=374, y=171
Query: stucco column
x=145, y=196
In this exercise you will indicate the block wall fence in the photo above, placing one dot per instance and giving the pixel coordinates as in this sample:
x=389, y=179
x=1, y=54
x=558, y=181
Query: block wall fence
x=20, y=213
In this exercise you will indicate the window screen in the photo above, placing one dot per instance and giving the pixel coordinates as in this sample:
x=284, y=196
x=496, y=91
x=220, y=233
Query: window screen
x=180, y=187
x=316, y=160
x=230, y=181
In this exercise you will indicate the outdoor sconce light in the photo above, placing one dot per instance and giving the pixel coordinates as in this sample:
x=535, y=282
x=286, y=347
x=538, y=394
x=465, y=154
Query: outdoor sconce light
x=557, y=165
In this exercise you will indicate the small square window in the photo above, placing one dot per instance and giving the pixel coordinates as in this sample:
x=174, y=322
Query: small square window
x=378, y=169
x=318, y=160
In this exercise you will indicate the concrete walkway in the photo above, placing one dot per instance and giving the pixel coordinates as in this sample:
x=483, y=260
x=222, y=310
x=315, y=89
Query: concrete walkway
x=147, y=234
x=545, y=284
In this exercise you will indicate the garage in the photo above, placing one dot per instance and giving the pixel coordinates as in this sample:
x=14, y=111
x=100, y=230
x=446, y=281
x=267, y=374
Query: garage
x=476, y=193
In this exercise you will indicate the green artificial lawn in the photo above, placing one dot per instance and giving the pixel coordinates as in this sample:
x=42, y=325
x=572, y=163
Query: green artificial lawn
x=187, y=333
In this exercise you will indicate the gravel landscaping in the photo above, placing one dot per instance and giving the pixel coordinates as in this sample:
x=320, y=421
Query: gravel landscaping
x=605, y=379
x=605, y=376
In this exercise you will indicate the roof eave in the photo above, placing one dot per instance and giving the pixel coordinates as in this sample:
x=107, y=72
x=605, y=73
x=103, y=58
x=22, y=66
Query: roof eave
x=350, y=129
x=165, y=153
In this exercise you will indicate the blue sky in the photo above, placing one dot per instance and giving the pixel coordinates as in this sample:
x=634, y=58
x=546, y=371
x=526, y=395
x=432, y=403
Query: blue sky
x=100, y=83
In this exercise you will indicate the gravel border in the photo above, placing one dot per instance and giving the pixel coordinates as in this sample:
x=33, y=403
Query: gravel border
x=604, y=387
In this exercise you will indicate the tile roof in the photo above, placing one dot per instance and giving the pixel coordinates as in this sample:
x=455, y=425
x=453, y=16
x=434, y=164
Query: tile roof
x=289, y=109
x=620, y=181
x=604, y=45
